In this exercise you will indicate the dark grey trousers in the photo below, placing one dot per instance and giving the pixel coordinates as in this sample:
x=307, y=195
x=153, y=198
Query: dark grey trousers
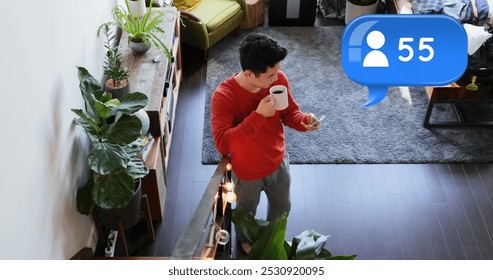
x=276, y=187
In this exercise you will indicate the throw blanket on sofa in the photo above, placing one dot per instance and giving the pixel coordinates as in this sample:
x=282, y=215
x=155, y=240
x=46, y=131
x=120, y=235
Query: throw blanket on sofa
x=461, y=10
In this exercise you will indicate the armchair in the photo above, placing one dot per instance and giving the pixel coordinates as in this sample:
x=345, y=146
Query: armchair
x=208, y=21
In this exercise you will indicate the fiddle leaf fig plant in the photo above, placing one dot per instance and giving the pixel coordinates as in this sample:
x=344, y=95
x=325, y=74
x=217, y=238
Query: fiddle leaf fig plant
x=114, y=133
x=268, y=240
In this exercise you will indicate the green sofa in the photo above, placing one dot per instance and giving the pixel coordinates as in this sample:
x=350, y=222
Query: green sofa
x=210, y=21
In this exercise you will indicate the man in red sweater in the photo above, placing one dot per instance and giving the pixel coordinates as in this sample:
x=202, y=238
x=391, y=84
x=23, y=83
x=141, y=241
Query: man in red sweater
x=246, y=125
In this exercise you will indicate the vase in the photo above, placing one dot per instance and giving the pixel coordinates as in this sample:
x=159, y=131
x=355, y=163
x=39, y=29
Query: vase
x=139, y=48
x=353, y=10
x=144, y=119
x=129, y=214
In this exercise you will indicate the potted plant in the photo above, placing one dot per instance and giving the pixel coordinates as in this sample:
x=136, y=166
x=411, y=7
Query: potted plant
x=116, y=75
x=268, y=240
x=356, y=8
x=116, y=169
x=143, y=31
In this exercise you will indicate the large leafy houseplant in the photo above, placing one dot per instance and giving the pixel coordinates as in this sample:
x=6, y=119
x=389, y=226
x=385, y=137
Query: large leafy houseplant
x=141, y=28
x=268, y=240
x=114, y=133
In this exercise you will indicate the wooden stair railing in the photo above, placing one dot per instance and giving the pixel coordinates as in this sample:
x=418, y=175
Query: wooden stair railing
x=212, y=214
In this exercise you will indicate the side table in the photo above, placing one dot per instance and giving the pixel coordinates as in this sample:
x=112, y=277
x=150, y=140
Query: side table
x=457, y=95
x=256, y=14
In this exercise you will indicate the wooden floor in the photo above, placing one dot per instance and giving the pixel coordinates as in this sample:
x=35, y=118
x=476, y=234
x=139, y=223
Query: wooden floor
x=394, y=211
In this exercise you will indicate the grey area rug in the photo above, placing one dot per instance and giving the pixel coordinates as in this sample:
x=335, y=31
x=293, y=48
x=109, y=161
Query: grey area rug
x=389, y=132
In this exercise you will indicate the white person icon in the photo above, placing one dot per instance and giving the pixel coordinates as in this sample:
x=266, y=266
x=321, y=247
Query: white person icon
x=375, y=58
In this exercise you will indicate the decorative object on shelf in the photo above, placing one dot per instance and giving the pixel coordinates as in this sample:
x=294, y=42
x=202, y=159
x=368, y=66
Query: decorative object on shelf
x=472, y=86
x=114, y=133
x=145, y=149
x=116, y=75
x=142, y=30
x=268, y=240
x=356, y=8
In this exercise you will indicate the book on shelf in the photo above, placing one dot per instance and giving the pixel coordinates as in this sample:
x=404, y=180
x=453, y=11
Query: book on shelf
x=147, y=142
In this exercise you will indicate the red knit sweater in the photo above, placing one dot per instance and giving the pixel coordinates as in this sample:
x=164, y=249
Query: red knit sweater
x=255, y=143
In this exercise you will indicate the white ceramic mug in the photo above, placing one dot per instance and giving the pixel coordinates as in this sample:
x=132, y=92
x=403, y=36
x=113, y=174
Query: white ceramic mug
x=280, y=95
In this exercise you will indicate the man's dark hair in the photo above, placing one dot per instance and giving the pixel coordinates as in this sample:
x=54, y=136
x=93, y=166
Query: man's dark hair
x=259, y=52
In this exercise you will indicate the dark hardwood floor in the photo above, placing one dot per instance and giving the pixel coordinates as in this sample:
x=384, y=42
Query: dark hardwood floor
x=380, y=211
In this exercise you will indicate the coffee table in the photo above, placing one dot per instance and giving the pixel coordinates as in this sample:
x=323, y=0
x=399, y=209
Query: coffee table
x=456, y=95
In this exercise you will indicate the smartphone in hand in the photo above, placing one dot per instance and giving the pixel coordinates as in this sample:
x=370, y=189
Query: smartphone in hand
x=318, y=121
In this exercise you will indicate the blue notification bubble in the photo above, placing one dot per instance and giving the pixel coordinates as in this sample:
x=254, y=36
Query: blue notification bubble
x=403, y=50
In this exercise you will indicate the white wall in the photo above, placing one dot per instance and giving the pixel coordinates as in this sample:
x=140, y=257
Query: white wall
x=42, y=154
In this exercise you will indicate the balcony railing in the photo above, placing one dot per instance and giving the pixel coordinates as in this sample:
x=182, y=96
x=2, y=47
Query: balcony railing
x=210, y=226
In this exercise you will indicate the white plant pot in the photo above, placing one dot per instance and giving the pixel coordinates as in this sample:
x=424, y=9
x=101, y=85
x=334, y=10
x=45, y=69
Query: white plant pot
x=353, y=11
x=144, y=118
x=137, y=7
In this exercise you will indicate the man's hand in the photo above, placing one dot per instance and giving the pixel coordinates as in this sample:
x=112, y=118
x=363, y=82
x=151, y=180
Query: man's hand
x=266, y=107
x=310, y=118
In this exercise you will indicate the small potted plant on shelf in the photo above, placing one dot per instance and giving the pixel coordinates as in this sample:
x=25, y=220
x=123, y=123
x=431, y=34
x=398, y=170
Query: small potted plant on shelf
x=355, y=8
x=116, y=74
x=144, y=30
x=114, y=190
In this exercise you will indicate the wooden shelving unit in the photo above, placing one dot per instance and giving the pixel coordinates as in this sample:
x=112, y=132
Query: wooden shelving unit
x=159, y=78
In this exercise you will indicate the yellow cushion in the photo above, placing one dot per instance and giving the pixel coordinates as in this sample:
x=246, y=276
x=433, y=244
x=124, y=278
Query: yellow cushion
x=186, y=5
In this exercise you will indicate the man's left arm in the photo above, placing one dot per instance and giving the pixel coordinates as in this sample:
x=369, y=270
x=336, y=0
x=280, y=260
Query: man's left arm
x=292, y=116
x=295, y=119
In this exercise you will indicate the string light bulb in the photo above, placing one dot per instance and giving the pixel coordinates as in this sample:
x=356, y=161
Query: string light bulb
x=229, y=186
x=231, y=197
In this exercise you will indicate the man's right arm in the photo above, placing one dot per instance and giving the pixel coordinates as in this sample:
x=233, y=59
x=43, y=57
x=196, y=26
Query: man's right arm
x=229, y=133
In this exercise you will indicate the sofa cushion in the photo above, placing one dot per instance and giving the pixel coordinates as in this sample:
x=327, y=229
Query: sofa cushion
x=215, y=12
